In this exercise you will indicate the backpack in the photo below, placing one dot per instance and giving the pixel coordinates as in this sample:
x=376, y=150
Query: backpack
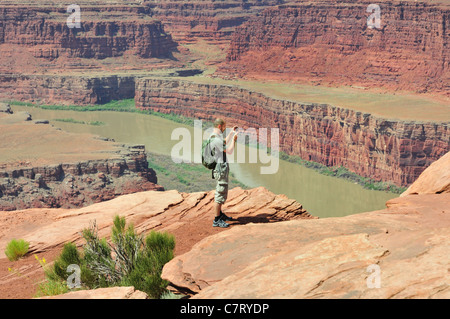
x=208, y=154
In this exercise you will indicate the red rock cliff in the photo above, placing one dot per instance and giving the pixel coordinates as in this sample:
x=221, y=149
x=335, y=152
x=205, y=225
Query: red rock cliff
x=208, y=19
x=105, y=31
x=66, y=89
x=330, y=42
x=388, y=150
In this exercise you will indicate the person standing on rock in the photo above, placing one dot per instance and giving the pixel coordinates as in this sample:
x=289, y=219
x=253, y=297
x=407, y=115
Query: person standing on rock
x=221, y=170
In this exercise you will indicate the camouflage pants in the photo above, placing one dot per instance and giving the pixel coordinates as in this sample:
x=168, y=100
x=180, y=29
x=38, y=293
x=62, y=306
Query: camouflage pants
x=221, y=176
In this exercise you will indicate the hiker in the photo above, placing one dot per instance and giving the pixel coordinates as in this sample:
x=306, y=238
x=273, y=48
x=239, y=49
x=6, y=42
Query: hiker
x=220, y=172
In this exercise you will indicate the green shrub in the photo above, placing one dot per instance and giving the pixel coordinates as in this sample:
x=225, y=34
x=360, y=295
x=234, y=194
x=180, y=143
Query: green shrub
x=156, y=241
x=129, y=260
x=51, y=288
x=16, y=249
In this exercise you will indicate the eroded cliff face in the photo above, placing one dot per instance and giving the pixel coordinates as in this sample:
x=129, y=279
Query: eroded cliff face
x=212, y=20
x=66, y=89
x=388, y=150
x=41, y=166
x=104, y=31
x=70, y=185
x=330, y=42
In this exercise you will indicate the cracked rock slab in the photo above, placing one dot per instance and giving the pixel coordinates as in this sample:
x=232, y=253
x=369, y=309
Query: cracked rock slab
x=327, y=258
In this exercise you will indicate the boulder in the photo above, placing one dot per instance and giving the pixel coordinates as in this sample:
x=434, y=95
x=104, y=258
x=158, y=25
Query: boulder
x=434, y=180
x=5, y=108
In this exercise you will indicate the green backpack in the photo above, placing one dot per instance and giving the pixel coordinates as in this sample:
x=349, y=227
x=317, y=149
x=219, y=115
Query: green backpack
x=208, y=154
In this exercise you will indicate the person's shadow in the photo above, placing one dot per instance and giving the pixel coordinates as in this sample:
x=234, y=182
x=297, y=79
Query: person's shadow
x=256, y=219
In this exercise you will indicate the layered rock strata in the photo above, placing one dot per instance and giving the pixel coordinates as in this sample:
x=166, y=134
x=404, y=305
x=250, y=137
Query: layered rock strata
x=66, y=89
x=187, y=216
x=42, y=166
x=332, y=42
x=382, y=149
x=214, y=21
x=105, y=31
x=77, y=184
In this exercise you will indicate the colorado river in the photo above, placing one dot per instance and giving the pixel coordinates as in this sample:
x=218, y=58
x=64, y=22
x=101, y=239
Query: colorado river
x=321, y=195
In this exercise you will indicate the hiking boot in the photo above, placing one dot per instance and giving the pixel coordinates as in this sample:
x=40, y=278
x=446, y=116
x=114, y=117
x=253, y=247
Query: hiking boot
x=220, y=223
x=225, y=217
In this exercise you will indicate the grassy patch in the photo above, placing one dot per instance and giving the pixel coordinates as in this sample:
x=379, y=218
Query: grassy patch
x=71, y=120
x=127, y=105
x=185, y=177
x=16, y=249
x=342, y=172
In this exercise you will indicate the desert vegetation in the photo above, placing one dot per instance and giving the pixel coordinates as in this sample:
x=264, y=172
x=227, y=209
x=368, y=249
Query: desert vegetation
x=71, y=120
x=185, y=177
x=127, y=259
x=16, y=249
x=342, y=172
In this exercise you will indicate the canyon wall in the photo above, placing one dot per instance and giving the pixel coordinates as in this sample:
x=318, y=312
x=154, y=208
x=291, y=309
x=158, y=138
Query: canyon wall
x=68, y=89
x=71, y=185
x=330, y=42
x=382, y=149
x=42, y=166
x=104, y=31
x=214, y=21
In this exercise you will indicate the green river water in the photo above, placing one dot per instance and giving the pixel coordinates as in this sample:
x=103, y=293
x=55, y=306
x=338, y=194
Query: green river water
x=320, y=195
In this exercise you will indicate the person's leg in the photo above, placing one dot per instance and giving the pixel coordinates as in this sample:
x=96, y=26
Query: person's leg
x=220, y=196
x=217, y=208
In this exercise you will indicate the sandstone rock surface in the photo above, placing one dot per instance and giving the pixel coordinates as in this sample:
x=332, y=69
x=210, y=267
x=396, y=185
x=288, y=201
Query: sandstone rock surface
x=187, y=216
x=407, y=245
x=434, y=180
x=103, y=293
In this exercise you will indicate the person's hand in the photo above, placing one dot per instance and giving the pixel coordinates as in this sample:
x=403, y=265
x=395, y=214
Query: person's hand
x=235, y=136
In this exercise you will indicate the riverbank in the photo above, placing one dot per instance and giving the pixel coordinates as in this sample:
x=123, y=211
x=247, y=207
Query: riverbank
x=185, y=177
x=322, y=195
x=43, y=166
x=129, y=106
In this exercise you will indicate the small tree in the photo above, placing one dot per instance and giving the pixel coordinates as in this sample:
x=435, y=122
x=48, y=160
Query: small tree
x=129, y=260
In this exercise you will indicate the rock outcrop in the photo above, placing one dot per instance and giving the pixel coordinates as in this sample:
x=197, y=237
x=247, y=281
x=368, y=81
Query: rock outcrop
x=187, y=216
x=434, y=180
x=330, y=42
x=105, y=30
x=41, y=166
x=400, y=252
x=214, y=21
x=66, y=89
x=382, y=149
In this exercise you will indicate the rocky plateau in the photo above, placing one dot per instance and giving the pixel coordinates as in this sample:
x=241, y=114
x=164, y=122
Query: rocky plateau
x=406, y=246
x=42, y=166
